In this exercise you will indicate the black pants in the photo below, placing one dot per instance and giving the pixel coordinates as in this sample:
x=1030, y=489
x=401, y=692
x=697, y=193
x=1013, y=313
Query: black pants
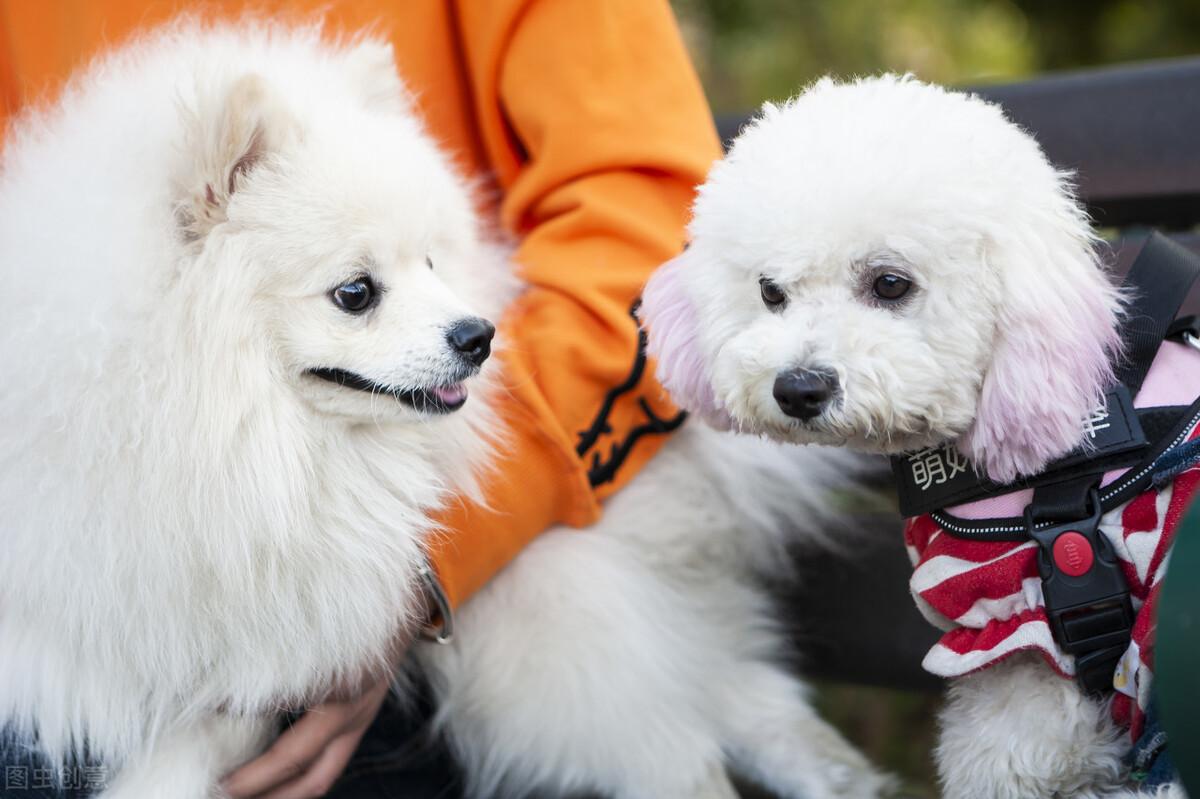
x=399, y=759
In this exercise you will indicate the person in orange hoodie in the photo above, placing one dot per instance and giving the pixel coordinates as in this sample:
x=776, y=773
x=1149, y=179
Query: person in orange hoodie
x=591, y=128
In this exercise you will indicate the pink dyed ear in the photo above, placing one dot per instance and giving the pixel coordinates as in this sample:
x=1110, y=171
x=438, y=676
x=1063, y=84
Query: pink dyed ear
x=1056, y=334
x=672, y=329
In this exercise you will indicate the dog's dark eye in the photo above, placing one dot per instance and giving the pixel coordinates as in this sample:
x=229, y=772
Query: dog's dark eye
x=355, y=296
x=891, y=287
x=429, y=262
x=772, y=295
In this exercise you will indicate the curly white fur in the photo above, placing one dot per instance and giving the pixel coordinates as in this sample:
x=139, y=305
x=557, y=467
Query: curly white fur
x=1002, y=344
x=995, y=726
x=197, y=531
x=1010, y=317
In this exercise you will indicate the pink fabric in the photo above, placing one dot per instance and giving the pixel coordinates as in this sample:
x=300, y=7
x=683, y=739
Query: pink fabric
x=1173, y=379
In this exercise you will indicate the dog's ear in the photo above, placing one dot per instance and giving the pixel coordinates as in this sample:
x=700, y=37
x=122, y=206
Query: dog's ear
x=1055, y=340
x=227, y=142
x=672, y=328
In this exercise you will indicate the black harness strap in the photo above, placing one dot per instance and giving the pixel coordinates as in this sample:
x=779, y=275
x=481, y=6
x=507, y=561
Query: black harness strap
x=1063, y=501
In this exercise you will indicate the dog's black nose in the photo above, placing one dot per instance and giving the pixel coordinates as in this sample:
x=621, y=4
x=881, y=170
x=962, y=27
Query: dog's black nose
x=804, y=393
x=472, y=338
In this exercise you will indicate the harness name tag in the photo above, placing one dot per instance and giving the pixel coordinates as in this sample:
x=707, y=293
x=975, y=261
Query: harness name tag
x=936, y=477
x=1111, y=428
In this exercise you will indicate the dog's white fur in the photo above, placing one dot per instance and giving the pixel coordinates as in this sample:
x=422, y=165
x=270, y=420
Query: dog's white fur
x=1001, y=346
x=848, y=181
x=198, y=533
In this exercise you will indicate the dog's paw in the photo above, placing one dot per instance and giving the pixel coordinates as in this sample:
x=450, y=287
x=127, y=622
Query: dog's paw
x=716, y=785
x=854, y=778
x=1019, y=731
x=850, y=781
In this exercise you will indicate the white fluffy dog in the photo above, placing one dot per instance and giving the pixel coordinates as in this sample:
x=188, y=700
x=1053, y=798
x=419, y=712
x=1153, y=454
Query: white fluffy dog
x=887, y=265
x=242, y=293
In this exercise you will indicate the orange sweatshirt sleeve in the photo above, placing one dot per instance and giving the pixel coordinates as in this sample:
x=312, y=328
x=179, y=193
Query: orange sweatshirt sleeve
x=597, y=131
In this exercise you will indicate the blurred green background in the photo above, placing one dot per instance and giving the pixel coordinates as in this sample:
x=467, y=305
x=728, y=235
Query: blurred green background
x=748, y=51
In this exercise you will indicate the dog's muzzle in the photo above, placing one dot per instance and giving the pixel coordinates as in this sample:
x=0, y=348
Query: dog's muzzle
x=804, y=393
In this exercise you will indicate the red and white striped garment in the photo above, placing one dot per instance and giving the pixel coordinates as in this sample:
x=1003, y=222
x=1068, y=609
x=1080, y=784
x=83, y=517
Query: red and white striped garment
x=988, y=595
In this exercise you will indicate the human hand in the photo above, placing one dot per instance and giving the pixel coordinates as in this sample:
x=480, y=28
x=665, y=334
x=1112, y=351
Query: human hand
x=307, y=759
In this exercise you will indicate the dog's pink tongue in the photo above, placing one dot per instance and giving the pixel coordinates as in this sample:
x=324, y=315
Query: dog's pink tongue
x=451, y=395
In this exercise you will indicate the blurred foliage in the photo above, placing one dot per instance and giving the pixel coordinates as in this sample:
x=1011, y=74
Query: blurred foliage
x=753, y=50
x=896, y=730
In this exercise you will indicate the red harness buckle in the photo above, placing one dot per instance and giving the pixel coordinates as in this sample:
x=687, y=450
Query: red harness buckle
x=1085, y=593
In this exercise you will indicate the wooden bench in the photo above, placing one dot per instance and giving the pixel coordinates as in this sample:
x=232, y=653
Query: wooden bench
x=1132, y=135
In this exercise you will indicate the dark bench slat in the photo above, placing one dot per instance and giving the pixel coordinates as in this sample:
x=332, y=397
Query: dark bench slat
x=1130, y=133
x=853, y=618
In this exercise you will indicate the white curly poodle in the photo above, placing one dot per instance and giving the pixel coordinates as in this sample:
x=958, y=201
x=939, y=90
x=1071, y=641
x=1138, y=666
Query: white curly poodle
x=888, y=265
